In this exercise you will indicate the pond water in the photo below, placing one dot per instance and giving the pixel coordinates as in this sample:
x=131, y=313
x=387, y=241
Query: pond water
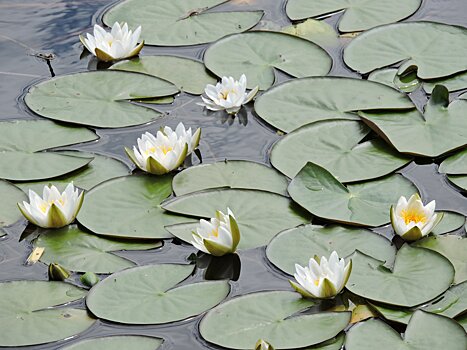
x=32, y=30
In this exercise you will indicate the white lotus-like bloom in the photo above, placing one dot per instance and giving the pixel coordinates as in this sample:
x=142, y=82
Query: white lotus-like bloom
x=219, y=236
x=412, y=220
x=322, y=278
x=117, y=44
x=54, y=209
x=164, y=152
x=228, y=95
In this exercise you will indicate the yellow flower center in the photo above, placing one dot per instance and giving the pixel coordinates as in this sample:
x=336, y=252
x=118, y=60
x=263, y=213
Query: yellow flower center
x=414, y=216
x=316, y=282
x=214, y=233
x=165, y=149
x=224, y=94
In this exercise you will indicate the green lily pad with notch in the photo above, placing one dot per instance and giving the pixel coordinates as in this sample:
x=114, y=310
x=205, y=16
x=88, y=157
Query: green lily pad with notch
x=451, y=222
x=453, y=83
x=388, y=76
x=260, y=215
x=180, y=22
x=364, y=204
x=100, y=99
x=130, y=207
x=418, y=45
x=455, y=164
x=22, y=146
x=257, y=54
x=358, y=15
x=28, y=311
x=10, y=195
x=418, y=276
x=319, y=32
x=237, y=174
x=425, y=331
x=453, y=248
x=80, y=251
x=298, y=245
x=273, y=316
x=302, y=101
x=337, y=146
x=186, y=74
x=152, y=295
x=121, y=342
x=100, y=169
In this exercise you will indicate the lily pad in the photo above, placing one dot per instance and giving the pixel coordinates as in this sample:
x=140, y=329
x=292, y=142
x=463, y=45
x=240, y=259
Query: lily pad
x=452, y=247
x=308, y=100
x=151, y=295
x=259, y=214
x=180, y=22
x=388, y=76
x=358, y=14
x=130, y=207
x=337, y=146
x=186, y=74
x=298, y=245
x=273, y=316
x=459, y=181
x=319, y=32
x=100, y=169
x=257, y=54
x=10, y=195
x=425, y=331
x=365, y=203
x=419, y=275
x=454, y=83
x=79, y=251
x=230, y=174
x=22, y=143
x=27, y=310
x=121, y=342
x=462, y=320
x=451, y=222
x=101, y=98
x=422, y=45
x=441, y=128
x=455, y=164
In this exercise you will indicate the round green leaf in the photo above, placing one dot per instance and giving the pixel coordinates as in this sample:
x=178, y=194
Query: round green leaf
x=230, y=174
x=259, y=214
x=121, y=342
x=273, y=316
x=452, y=247
x=28, y=317
x=100, y=169
x=79, y=251
x=298, y=245
x=186, y=74
x=388, y=76
x=257, y=54
x=10, y=196
x=180, y=22
x=365, y=203
x=416, y=44
x=22, y=143
x=453, y=83
x=100, y=98
x=418, y=276
x=425, y=331
x=337, y=146
x=130, y=207
x=358, y=14
x=451, y=221
x=151, y=295
x=455, y=164
x=307, y=100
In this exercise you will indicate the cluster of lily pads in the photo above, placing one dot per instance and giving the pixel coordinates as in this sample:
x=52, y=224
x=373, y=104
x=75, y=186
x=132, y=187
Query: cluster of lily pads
x=336, y=165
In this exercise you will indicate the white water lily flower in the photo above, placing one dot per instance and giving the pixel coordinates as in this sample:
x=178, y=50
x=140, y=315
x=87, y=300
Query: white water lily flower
x=164, y=152
x=219, y=236
x=228, y=95
x=412, y=220
x=54, y=209
x=322, y=278
x=263, y=345
x=117, y=44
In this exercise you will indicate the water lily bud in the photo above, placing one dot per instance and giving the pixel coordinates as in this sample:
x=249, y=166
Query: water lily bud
x=89, y=279
x=58, y=272
x=54, y=209
x=412, y=220
x=228, y=95
x=164, y=152
x=117, y=44
x=322, y=279
x=219, y=236
x=263, y=345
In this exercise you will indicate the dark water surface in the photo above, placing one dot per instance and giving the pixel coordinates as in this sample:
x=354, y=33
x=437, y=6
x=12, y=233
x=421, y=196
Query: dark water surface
x=30, y=29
